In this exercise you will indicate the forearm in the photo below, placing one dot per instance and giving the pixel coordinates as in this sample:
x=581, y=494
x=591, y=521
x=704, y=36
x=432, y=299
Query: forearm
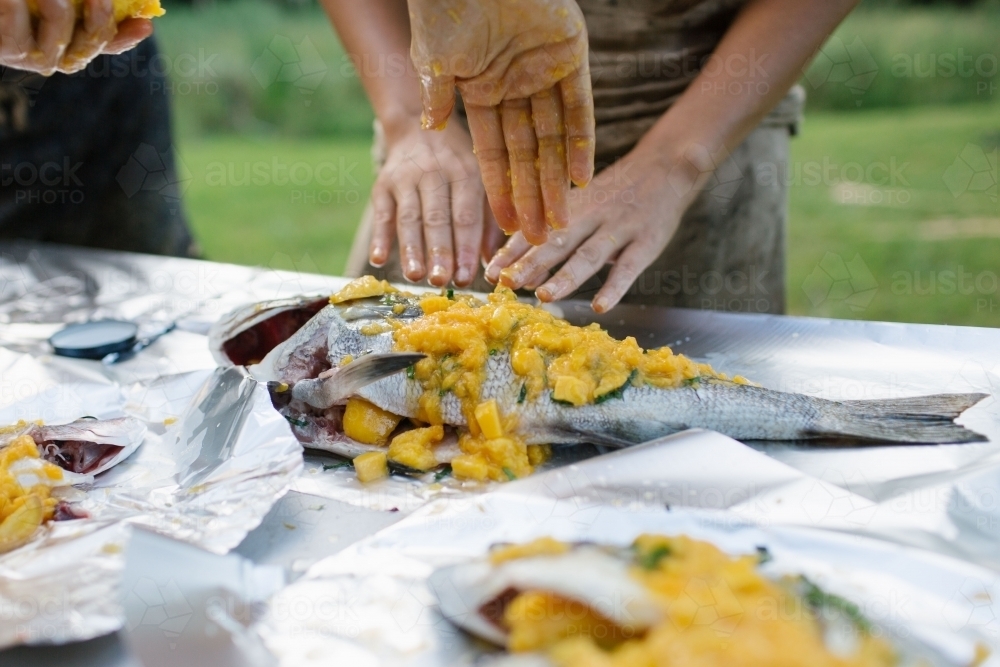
x=377, y=39
x=757, y=61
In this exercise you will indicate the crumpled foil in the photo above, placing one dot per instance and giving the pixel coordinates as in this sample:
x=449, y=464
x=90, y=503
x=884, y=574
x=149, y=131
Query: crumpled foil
x=207, y=479
x=371, y=604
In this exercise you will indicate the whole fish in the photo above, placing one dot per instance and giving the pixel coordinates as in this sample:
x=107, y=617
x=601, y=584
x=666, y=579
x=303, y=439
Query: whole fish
x=309, y=382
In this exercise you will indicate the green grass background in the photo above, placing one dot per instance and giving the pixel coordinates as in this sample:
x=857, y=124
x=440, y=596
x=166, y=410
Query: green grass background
x=921, y=123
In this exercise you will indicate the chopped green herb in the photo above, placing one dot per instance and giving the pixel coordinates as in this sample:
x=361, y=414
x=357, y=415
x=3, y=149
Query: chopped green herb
x=817, y=598
x=690, y=382
x=510, y=474
x=493, y=352
x=337, y=466
x=763, y=555
x=442, y=473
x=451, y=294
x=617, y=393
x=523, y=394
x=442, y=392
x=411, y=372
x=651, y=560
x=301, y=423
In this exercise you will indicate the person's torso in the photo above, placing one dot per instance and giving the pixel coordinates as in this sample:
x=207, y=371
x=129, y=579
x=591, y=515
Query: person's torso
x=643, y=55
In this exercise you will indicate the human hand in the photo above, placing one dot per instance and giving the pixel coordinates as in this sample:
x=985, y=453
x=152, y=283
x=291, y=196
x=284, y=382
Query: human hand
x=430, y=196
x=50, y=39
x=522, y=68
x=627, y=216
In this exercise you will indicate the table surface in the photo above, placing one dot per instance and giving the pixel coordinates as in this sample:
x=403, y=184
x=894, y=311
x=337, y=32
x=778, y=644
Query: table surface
x=42, y=287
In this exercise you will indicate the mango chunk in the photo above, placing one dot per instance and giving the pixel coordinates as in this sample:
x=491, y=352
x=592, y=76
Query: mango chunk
x=367, y=423
x=488, y=417
x=371, y=466
x=571, y=390
x=415, y=449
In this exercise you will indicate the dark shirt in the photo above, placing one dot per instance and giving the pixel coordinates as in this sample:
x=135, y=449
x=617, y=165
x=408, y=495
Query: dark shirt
x=87, y=159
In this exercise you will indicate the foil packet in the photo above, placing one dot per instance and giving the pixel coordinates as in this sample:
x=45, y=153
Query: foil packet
x=206, y=475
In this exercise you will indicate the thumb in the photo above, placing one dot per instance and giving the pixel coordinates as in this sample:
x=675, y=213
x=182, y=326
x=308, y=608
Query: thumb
x=437, y=93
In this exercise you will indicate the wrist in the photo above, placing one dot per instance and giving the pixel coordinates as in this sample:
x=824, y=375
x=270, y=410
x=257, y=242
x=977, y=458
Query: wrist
x=398, y=122
x=685, y=164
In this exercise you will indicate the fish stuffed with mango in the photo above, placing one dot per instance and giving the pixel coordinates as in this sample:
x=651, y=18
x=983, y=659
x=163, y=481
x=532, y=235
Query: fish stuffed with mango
x=390, y=379
x=38, y=461
x=663, y=600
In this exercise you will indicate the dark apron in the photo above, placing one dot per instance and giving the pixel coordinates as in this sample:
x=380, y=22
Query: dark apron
x=87, y=159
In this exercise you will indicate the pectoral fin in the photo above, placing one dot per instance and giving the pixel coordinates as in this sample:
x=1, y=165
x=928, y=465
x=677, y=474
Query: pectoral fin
x=345, y=381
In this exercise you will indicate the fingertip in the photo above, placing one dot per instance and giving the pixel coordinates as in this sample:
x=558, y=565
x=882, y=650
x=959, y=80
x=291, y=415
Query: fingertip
x=377, y=257
x=601, y=304
x=435, y=122
x=535, y=235
x=545, y=293
x=581, y=169
x=464, y=276
x=130, y=33
x=507, y=279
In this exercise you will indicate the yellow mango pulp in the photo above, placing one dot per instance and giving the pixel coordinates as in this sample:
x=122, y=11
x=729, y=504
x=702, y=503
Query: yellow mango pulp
x=124, y=9
x=362, y=288
x=718, y=610
x=579, y=364
x=23, y=510
x=458, y=333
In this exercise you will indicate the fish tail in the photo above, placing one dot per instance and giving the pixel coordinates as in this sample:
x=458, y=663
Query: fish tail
x=921, y=419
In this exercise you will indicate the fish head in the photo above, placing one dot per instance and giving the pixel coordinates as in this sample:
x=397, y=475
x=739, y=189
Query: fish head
x=248, y=333
x=89, y=446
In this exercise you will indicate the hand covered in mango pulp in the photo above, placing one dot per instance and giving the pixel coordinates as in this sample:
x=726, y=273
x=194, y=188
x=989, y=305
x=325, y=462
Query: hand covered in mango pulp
x=47, y=38
x=522, y=68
